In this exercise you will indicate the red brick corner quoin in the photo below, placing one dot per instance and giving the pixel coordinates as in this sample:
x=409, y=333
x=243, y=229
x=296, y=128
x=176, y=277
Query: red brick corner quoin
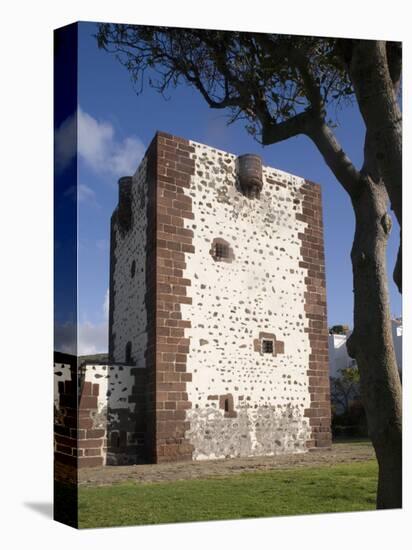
x=313, y=260
x=170, y=168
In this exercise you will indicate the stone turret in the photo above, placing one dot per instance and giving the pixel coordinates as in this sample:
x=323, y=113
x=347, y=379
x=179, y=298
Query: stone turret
x=250, y=175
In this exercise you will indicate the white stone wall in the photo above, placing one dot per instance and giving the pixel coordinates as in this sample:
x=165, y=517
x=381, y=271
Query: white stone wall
x=61, y=374
x=129, y=317
x=116, y=414
x=262, y=290
x=115, y=385
x=115, y=410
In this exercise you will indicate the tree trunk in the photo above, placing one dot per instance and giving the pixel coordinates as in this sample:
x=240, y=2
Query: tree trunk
x=371, y=341
x=376, y=94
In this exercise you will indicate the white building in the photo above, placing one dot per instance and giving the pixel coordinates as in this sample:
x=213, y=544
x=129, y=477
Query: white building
x=338, y=354
x=397, y=331
x=218, y=291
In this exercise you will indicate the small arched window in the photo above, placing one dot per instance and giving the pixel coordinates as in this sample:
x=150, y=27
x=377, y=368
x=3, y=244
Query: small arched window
x=133, y=268
x=128, y=354
x=221, y=251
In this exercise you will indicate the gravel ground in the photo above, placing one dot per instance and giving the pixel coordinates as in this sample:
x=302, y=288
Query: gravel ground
x=340, y=453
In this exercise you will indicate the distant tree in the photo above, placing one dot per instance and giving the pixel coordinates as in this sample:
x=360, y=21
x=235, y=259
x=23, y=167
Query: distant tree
x=348, y=413
x=339, y=329
x=344, y=388
x=283, y=86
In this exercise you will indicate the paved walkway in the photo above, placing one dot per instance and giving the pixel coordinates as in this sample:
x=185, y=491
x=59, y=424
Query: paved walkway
x=150, y=473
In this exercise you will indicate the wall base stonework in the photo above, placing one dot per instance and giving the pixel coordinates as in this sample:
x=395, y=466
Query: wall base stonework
x=252, y=432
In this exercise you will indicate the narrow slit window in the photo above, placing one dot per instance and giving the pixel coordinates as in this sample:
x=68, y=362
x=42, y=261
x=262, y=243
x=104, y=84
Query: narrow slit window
x=133, y=269
x=226, y=405
x=128, y=354
x=267, y=346
x=115, y=440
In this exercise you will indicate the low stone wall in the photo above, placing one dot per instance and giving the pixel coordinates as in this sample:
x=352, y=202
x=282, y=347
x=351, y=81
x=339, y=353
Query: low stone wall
x=65, y=419
x=99, y=415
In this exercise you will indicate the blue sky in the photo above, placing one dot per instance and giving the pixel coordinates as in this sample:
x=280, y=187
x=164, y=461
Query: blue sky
x=115, y=127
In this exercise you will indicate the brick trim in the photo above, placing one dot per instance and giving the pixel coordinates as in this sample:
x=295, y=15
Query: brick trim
x=169, y=242
x=77, y=443
x=150, y=301
x=313, y=260
x=65, y=456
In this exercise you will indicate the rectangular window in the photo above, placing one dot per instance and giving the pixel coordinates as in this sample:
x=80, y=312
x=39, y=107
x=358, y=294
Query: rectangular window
x=221, y=250
x=267, y=346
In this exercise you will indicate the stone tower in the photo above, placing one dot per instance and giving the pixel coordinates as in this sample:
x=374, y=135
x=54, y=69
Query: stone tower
x=217, y=299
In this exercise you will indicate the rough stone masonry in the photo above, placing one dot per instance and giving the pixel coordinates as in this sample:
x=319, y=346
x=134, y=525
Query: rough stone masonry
x=217, y=320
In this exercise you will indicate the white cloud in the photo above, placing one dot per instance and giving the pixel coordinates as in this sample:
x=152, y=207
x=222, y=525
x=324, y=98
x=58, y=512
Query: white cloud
x=92, y=338
x=106, y=305
x=65, y=143
x=84, y=193
x=97, y=145
x=95, y=138
x=65, y=338
x=102, y=151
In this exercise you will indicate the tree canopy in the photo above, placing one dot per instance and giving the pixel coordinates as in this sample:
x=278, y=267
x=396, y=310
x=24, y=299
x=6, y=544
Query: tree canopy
x=281, y=85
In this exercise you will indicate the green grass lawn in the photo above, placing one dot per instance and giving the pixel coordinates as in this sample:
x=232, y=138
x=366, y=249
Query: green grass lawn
x=350, y=487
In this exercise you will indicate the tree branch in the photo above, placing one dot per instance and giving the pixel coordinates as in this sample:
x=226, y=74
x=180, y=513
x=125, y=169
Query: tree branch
x=300, y=62
x=227, y=101
x=335, y=157
x=273, y=132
